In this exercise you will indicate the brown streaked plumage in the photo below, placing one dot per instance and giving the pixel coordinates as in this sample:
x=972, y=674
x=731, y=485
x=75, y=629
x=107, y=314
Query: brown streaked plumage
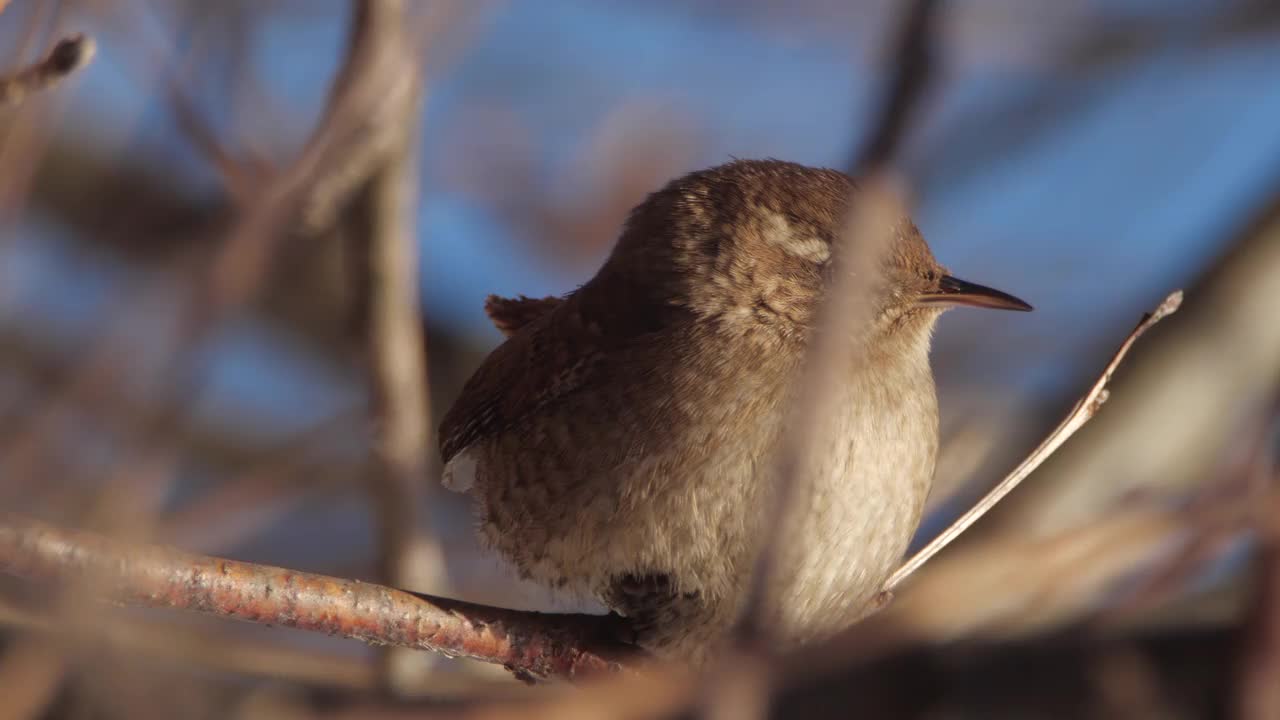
x=618, y=443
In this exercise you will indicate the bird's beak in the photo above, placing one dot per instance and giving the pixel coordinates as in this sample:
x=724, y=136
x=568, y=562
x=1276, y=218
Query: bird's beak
x=954, y=291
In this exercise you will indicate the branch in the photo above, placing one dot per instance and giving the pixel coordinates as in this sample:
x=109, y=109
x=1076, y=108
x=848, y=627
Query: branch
x=1219, y=356
x=70, y=54
x=1082, y=413
x=845, y=312
x=1258, y=694
x=837, y=341
x=532, y=645
x=383, y=230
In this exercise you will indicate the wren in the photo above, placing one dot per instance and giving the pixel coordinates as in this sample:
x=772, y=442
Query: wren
x=618, y=444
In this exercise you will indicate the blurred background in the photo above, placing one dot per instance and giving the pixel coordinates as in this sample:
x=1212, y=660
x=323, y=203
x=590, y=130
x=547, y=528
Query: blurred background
x=185, y=314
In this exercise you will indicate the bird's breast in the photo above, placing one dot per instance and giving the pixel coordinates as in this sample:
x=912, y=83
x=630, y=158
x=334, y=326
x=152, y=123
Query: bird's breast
x=866, y=489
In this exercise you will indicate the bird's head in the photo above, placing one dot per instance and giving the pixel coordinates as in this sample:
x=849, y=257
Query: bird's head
x=748, y=247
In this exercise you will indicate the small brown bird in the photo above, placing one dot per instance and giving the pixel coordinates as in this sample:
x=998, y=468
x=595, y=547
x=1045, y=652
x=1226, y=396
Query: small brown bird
x=618, y=444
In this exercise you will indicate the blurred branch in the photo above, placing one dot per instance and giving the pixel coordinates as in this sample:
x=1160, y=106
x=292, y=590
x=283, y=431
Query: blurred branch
x=379, y=34
x=127, y=203
x=389, y=41
x=845, y=313
x=1011, y=591
x=529, y=644
x=240, y=263
x=31, y=673
x=238, y=267
x=383, y=232
x=1047, y=679
x=67, y=56
x=1052, y=678
x=159, y=642
x=219, y=449
x=386, y=235
x=173, y=643
x=1258, y=695
x=1212, y=531
x=1015, y=589
x=366, y=86
x=837, y=341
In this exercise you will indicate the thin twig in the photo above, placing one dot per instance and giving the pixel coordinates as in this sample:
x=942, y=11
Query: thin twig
x=530, y=644
x=25, y=140
x=251, y=500
x=67, y=56
x=158, y=54
x=1082, y=413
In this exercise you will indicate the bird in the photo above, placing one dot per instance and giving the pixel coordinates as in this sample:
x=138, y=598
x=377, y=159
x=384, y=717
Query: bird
x=618, y=444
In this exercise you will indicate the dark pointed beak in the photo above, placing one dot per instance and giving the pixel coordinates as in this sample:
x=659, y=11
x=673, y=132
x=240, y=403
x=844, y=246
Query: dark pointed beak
x=954, y=291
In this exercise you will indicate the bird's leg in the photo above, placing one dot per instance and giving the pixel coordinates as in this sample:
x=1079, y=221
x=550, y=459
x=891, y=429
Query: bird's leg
x=656, y=611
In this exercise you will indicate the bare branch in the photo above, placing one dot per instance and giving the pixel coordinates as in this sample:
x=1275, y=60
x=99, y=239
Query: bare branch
x=533, y=645
x=1220, y=356
x=67, y=56
x=1082, y=413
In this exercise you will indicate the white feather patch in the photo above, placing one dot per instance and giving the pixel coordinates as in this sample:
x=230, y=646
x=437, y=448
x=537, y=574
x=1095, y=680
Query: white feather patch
x=460, y=472
x=780, y=232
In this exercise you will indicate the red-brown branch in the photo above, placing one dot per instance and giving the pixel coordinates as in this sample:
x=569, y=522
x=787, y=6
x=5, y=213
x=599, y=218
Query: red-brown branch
x=528, y=643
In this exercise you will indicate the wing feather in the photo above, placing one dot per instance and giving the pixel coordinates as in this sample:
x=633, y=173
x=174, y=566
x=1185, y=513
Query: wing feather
x=555, y=347
x=511, y=314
